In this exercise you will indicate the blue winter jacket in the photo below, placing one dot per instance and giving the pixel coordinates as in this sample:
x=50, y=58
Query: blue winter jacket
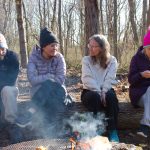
x=40, y=69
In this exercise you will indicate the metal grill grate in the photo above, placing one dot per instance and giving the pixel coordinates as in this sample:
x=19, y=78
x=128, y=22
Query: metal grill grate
x=50, y=144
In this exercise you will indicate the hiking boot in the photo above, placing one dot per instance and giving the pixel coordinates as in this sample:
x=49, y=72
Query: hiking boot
x=113, y=136
x=143, y=130
x=15, y=133
x=2, y=124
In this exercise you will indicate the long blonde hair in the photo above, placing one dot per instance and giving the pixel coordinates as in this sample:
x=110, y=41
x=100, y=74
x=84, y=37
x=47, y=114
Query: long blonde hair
x=105, y=53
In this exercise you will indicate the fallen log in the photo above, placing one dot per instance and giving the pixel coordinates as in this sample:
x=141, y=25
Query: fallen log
x=129, y=117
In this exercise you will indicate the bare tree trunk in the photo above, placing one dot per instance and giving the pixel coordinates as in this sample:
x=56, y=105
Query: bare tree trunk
x=101, y=17
x=109, y=12
x=48, y=14
x=44, y=13
x=53, y=24
x=144, y=14
x=132, y=12
x=148, y=15
x=59, y=26
x=68, y=32
x=81, y=31
x=7, y=10
x=40, y=13
x=91, y=19
x=115, y=30
x=22, y=35
x=26, y=27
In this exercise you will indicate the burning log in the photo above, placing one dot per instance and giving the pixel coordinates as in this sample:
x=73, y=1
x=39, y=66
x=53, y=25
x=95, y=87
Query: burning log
x=76, y=145
x=96, y=143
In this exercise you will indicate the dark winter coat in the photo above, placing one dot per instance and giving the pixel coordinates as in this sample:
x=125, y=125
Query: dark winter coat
x=9, y=69
x=138, y=84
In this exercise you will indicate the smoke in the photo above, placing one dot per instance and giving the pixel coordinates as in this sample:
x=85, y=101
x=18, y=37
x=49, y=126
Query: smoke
x=44, y=126
x=87, y=125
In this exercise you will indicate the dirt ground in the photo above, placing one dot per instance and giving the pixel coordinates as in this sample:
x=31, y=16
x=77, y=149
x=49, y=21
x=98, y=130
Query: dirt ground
x=74, y=86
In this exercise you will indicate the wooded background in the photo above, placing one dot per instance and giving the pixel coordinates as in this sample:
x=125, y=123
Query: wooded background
x=124, y=22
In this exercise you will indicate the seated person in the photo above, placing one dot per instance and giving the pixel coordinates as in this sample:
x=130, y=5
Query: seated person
x=46, y=72
x=9, y=69
x=98, y=75
x=139, y=79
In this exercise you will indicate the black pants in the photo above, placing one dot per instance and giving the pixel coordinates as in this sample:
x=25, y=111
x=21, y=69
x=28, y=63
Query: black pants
x=49, y=99
x=91, y=100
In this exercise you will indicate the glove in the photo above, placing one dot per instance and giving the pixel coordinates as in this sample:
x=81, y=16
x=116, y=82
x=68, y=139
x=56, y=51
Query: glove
x=50, y=77
x=68, y=100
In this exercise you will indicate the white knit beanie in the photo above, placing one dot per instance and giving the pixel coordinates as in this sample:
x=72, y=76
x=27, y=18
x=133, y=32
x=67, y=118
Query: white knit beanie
x=3, y=43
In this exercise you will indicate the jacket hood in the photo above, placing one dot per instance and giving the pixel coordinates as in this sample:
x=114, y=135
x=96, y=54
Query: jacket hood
x=36, y=52
x=140, y=49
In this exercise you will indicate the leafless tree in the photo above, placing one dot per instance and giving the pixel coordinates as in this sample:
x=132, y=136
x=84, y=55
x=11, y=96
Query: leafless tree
x=115, y=30
x=101, y=17
x=7, y=9
x=132, y=12
x=144, y=17
x=42, y=13
x=109, y=13
x=53, y=24
x=22, y=35
x=91, y=19
x=60, y=27
x=148, y=15
x=74, y=21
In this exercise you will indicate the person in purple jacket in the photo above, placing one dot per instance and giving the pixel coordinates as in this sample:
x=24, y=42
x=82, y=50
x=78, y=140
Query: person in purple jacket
x=139, y=79
x=46, y=73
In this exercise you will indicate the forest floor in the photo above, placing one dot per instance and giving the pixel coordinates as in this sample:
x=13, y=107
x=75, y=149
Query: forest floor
x=74, y=86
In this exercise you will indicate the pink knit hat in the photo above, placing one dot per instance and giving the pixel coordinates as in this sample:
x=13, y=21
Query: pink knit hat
x=146, y=40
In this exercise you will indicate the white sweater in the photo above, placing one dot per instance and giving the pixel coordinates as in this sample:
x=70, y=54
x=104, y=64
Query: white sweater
x=95, y=78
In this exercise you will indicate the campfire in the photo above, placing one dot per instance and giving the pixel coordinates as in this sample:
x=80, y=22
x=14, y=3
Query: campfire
x=76, y=145
x=95, y=143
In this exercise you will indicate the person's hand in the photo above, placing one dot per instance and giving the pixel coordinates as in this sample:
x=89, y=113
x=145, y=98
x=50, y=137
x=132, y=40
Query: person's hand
x=50, y=77
x=68, y=100
x=145, y=74
x=103, y=98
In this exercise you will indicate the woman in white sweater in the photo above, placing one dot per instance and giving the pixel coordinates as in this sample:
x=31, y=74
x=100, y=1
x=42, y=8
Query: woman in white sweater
x=98, y=76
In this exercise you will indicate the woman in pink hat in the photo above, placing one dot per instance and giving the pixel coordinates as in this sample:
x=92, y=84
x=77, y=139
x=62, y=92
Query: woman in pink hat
x=139, y=79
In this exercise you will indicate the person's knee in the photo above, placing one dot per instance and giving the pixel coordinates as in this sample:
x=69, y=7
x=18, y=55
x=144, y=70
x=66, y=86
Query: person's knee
x=9, y=89
x=111, y=94
x=6, y=89
x=148, y=89
x=111, y=97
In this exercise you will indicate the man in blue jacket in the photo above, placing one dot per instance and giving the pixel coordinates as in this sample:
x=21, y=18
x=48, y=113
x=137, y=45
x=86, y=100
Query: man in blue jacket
x=9, y=69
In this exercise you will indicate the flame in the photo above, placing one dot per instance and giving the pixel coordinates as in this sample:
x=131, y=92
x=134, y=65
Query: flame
x=41, y=148
x=96, y=143
x=79, y=145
